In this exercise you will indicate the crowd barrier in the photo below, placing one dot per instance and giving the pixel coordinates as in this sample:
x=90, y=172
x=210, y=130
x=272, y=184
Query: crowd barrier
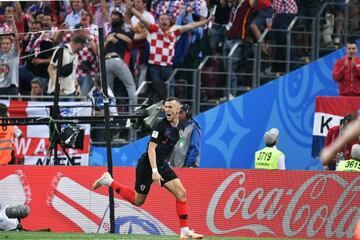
x=221, y=202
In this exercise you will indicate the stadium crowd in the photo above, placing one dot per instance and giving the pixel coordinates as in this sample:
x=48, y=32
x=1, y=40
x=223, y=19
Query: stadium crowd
x=31, y=31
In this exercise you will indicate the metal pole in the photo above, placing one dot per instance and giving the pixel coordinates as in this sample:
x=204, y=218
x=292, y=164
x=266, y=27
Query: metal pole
x=107, y=125
x=257, y=55
x=197, y=85
x=256, y=77
x=229, y=69
x=56, y=110
x=317, y=32
x=313, y=38
x=288, y=44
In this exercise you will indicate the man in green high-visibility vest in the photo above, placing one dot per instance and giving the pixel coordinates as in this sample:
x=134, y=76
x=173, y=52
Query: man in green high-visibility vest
x=270, y=157
x=353, y=164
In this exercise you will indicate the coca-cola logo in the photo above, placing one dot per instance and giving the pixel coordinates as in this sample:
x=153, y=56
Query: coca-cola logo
x=323, y=205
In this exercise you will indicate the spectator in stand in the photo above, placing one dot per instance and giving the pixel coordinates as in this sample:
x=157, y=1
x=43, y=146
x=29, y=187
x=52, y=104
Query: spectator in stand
x=353, y=163
x=60, y=9
x=96, y=97
x=50, y=29
x=15, y=12
x=263, y=18
x=68, y=83
x=117, y=5
x=75, y=16
x=116, y=44
x=186, y=151
x=270, y=157
x=162, y=41
x=333, y=134
x=140, y=6
x=99, y=10
x=9, y=62
x=87, y=22
x=49, y=25
x=218, y=30
x=347, y=71
x=88, y=61
x=35, y=7
x=285, y=11
x=237, y=34
x=193, y=44
x=37, y=89
x=170, y=8
x=38, y=55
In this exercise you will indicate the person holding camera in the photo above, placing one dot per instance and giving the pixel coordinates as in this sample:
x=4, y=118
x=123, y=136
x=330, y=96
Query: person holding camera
x=347, y=72
x=11, y=215
x=187, y=150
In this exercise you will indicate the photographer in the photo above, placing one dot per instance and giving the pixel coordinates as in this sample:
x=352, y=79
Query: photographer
x=187, y=150
x=10, y=217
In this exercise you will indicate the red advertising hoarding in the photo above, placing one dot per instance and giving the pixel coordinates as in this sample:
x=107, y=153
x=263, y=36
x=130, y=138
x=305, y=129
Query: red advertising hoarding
x=247, y=203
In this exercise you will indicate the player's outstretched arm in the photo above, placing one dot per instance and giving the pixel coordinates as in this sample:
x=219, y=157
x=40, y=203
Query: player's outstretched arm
x=351, y=132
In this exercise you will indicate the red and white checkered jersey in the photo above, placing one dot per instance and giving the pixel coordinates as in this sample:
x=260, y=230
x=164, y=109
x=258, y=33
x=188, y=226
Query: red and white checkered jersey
x=285, y=6
x=86, y=54
x=162, y=45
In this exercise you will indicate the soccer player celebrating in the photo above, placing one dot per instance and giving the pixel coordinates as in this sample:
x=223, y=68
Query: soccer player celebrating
x=153, y=167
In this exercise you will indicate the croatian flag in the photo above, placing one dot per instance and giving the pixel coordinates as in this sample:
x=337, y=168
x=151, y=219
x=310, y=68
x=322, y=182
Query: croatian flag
x=34, y=143
x=328, y=113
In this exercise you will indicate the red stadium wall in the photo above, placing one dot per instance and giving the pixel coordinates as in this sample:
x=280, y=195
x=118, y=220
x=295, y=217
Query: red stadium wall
x=301, y=204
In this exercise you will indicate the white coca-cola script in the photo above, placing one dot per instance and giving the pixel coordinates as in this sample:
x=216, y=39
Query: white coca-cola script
x=300, y=211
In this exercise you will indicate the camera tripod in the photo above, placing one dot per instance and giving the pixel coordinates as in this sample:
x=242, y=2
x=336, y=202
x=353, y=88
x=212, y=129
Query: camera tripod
x=55, y=140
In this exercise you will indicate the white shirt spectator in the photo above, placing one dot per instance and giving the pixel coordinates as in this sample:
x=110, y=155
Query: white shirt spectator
x=147, y=15
x=67, y=84
x=9, y=64
x=73, y=18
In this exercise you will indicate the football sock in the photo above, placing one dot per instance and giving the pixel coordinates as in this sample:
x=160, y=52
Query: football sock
x=125, y=192
x=181, y=210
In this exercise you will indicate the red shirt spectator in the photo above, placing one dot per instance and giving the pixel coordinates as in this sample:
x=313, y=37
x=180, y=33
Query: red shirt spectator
x=347, y=72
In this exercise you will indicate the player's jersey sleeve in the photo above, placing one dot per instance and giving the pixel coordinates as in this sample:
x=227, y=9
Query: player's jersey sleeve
x=157, y=132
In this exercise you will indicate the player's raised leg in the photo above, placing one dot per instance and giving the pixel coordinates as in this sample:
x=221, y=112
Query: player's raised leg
x=177, y=189
x=125, y=192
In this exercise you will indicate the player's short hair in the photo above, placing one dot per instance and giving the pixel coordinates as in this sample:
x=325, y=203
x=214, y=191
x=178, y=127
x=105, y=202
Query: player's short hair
x=169, y=99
